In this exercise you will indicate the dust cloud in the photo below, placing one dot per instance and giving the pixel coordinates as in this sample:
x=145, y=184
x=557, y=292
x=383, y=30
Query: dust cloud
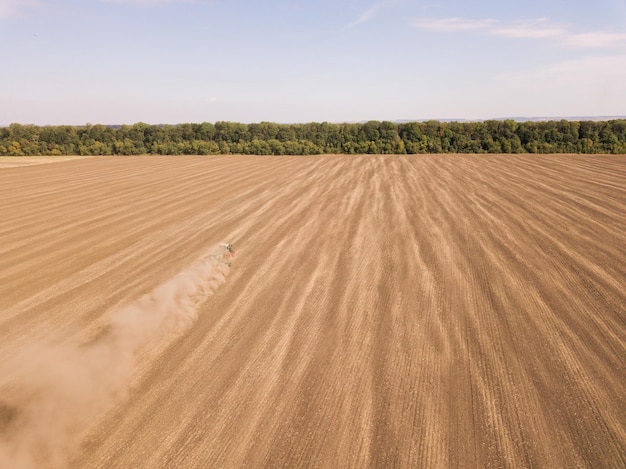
x=50, y=394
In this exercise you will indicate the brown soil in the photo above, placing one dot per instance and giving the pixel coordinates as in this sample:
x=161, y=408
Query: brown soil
x=382, y=311
x=16, y=161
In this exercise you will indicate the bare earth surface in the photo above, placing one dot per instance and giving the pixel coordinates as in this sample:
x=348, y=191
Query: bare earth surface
x=382, y=311
x=16, y=161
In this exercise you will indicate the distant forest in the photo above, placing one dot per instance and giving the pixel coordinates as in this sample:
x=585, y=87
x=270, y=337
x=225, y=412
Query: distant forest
x=267, y=138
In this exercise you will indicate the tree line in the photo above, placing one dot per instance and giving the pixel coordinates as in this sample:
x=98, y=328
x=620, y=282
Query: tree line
x=267, y=138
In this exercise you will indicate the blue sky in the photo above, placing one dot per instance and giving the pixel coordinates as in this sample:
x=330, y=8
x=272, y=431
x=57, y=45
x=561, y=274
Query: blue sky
x=172, y=61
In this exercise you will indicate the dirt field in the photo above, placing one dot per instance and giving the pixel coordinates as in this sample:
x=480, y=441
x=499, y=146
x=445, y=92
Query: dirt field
x=13, y=161
x=382, y=311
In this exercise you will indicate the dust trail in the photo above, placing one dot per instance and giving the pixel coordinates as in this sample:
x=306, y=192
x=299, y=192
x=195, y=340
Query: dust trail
x=51, y=394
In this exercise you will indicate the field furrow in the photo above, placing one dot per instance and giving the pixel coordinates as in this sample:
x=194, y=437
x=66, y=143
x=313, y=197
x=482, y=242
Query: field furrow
x=382, y=311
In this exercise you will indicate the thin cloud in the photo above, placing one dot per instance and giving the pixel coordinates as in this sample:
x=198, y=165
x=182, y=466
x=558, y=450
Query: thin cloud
x=452, y=24
x=367, y=15
x=533, y=29
x=596, y=39
x=10, y=8
x=150, y=3
x=540, y=28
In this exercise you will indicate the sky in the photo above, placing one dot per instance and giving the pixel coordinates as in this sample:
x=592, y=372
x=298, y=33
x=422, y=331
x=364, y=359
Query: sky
x=287, y=61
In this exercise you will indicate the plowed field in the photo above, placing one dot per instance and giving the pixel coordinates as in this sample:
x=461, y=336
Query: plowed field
x=382, y=311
